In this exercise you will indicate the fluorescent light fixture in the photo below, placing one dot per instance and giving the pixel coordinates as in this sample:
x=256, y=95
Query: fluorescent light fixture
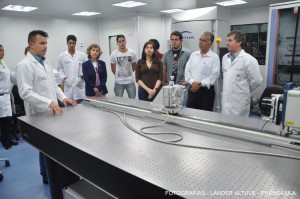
x=86, y=13
x=129, y=4
x=19, y=8
x=231, y=3
x=171, y=11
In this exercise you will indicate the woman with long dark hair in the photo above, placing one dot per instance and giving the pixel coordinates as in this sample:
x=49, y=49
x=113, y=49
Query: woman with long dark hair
x=149, y=73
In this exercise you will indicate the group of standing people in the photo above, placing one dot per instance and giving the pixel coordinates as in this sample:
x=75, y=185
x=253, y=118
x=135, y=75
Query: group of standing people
x=148, y=70
x=82, y=75
x=86, y=76
x=199, y=71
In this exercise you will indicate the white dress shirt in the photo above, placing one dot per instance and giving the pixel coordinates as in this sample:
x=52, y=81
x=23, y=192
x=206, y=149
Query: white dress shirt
x=203, y=68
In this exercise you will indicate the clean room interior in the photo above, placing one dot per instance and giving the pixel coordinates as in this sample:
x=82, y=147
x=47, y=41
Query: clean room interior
x=139, y=24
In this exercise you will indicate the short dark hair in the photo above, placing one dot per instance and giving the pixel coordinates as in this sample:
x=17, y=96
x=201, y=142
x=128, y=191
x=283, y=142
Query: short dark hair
x=71, y=37
x=177, y=33
x=120, y=36
x=154, y=53
x=211, y=36
x=238, y=36
x=1, y=46
x=90, y=48
x=156, y=43
x=34, y=33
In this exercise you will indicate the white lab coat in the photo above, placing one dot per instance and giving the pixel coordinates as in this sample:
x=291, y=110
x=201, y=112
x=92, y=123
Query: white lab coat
x=6, y=76
x=240, y=78
x=37, y=86
x=71, y=67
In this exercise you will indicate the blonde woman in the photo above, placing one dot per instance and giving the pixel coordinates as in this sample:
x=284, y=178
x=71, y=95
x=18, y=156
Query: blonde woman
x=94, y=73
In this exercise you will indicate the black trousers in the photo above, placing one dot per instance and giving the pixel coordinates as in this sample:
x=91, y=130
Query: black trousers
x=5, y=123
x=203, y=99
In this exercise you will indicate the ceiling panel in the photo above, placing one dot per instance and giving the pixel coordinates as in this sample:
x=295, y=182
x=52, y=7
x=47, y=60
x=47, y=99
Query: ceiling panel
x=65, y=8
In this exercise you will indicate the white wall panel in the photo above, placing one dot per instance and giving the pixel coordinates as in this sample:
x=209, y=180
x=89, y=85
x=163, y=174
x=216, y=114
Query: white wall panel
x=249, y=16
x=150, y=27
x=14, y=33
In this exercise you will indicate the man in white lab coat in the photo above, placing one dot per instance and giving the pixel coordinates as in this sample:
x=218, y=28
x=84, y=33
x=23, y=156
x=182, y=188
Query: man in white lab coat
x=70, y=70
x=241, y=75
x=36, y=82
x=38, y=89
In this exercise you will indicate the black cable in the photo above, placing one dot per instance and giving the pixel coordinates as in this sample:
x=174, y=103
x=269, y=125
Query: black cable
x=294, y=130
x=262, y=128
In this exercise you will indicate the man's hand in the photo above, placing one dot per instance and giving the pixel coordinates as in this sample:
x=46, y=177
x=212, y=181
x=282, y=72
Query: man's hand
x=55, y=109
x=70, y=101
x=195, y=87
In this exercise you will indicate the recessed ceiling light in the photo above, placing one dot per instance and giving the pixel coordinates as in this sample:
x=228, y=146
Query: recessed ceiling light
x=231, y=3
x=171, y=11
x=86, y=13
x=19, y=8
x=129, y=4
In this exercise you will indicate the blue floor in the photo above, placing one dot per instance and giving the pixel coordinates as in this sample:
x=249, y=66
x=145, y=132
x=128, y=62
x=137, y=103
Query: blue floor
x=22, y=179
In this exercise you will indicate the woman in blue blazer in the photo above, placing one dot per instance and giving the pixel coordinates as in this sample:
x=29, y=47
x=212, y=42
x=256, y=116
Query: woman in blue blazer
x=94, y=86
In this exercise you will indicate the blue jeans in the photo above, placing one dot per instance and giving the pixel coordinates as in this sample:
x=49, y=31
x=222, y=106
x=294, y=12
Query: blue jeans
x=186, y=95
x=130, y=88
x=143, y=95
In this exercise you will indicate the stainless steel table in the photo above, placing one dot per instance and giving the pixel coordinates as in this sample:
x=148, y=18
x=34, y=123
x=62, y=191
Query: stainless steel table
x=96, y=145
